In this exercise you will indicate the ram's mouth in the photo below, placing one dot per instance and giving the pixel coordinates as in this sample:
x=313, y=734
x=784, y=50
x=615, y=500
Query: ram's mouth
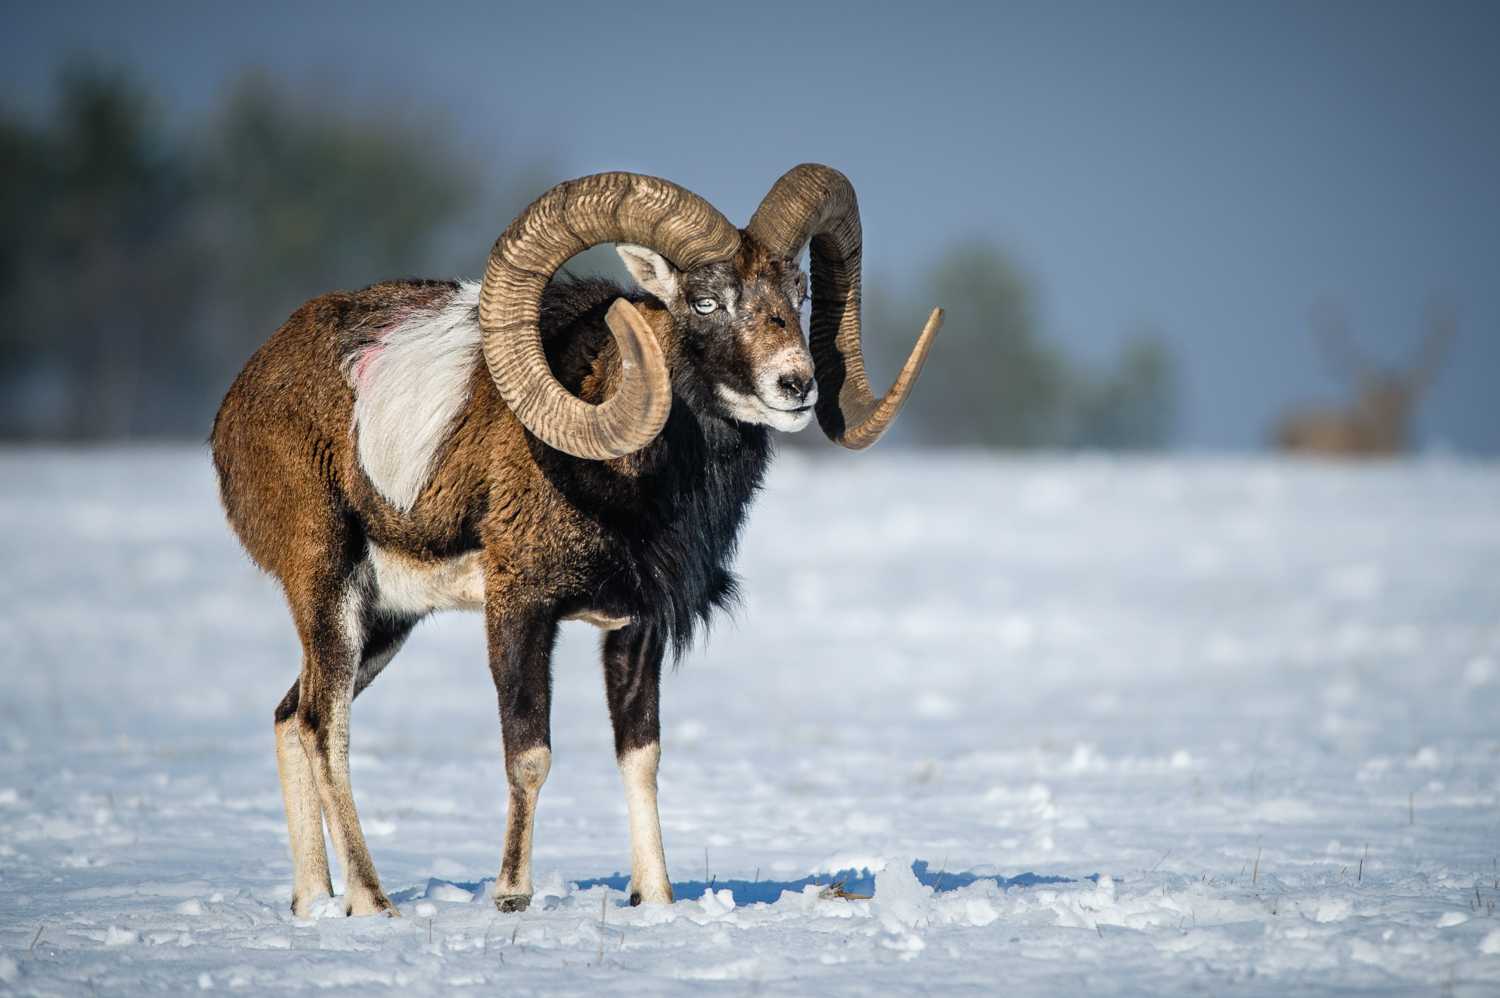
x=792, y=410
x=751, y=408
x=785, y=420
x=788, y=419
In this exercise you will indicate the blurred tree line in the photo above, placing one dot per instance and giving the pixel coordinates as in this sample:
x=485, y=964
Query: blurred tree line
x=140, y=266
x=993, y=380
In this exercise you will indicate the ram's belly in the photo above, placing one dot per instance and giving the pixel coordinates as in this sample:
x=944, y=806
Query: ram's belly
x=600, y=619
x=413, y=586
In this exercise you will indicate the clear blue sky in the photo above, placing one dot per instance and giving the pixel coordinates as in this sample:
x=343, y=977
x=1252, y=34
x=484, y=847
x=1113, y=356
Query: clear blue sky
x=1211, y=170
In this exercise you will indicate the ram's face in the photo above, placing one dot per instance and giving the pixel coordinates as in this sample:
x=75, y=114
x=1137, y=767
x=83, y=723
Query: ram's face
x=742, y=327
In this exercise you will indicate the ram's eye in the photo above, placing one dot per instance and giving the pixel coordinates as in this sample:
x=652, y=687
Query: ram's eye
x=703, y=306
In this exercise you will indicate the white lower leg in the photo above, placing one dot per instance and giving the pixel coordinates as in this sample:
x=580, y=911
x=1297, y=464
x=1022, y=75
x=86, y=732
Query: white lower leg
x=648, y=861
x=304, y=820
x=527, y=772
x=330, y=765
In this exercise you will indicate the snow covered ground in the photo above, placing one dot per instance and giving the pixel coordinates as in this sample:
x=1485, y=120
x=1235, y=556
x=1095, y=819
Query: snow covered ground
x=1217, y=725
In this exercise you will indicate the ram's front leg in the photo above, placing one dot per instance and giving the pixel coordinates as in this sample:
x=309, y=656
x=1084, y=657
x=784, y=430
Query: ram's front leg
x=632, y=682
x=520, y=640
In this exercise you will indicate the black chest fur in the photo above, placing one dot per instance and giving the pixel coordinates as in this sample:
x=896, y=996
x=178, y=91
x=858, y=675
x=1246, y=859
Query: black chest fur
x=667, y=535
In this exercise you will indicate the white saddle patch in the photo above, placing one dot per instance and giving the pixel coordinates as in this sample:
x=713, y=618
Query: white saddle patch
x=409, y=385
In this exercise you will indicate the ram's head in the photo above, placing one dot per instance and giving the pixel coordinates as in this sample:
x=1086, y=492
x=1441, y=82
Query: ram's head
x=736, y=296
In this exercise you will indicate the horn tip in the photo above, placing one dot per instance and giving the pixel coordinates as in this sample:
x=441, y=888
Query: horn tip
x=622, y=310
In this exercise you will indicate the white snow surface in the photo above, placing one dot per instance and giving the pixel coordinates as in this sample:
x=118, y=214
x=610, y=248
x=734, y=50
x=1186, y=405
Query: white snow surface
x=1236, y=718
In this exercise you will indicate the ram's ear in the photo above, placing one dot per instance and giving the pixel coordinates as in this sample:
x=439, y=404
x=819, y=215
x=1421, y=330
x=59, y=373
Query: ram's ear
x=651, y=271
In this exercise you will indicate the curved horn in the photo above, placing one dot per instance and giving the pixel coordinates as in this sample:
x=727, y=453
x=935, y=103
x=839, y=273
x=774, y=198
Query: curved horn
x=568, y=219
x=817, y=203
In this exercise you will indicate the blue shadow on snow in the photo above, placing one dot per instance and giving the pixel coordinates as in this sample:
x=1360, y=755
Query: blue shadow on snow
x=860, y=881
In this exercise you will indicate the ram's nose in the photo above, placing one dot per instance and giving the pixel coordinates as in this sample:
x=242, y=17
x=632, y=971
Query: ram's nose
x=796, y=386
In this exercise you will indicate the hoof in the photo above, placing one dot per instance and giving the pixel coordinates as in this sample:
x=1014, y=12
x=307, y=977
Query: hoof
x=661, y=894
x=371, y=904
x=513, y=902
x=312, y=905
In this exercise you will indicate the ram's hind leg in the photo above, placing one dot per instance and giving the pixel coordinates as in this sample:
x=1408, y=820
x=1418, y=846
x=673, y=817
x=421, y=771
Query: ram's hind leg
x=384, y=636
x=299, y=790
x=304, y=812
x=334, y=616
x=632, y=683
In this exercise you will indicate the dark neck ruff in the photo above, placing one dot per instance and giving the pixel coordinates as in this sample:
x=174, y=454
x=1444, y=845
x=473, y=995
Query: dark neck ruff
x=674, y=524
